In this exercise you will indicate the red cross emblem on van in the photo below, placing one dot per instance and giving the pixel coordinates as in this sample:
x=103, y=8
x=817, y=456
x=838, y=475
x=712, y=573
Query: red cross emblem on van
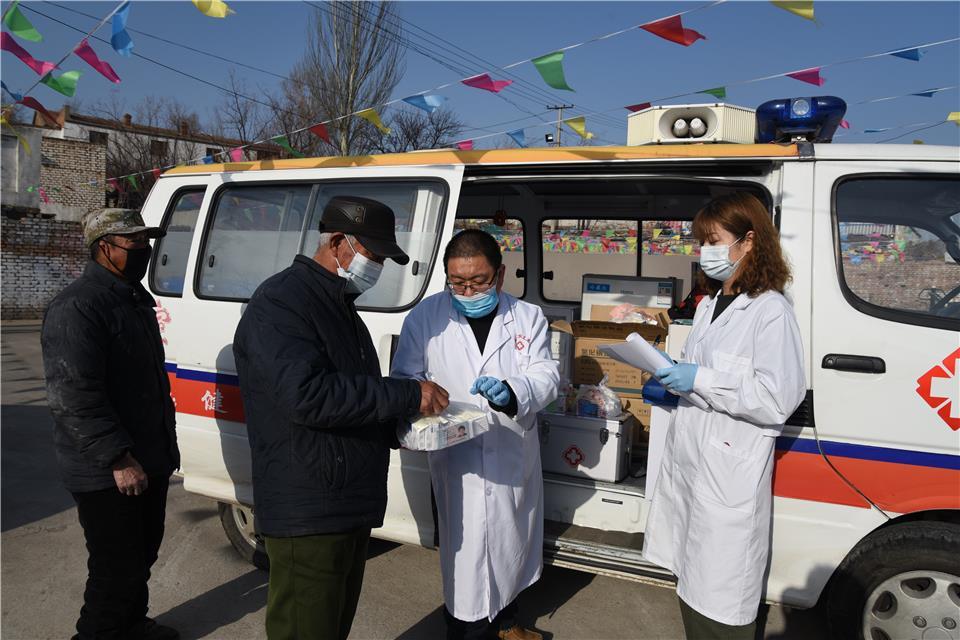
x=940, y=388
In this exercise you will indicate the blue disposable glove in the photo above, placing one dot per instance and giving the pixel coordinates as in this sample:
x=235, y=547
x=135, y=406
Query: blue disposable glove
x=678, y=378
x=496, y=391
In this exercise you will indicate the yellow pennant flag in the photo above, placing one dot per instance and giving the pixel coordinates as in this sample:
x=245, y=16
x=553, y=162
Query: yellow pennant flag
x=802, y=8
x=579, y=125
x=954, y=116
x=371, y=116
x=213, y=8
x=23, y=141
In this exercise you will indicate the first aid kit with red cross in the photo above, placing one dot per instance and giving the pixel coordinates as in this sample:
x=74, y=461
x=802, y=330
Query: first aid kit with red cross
x=597, y=448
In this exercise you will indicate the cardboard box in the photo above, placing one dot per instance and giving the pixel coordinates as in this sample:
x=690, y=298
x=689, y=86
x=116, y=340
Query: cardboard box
x=611, y=291
x=590, y=364
x=634, y=405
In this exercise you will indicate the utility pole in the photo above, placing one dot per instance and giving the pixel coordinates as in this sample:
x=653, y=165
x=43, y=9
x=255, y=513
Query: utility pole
x=559, y=109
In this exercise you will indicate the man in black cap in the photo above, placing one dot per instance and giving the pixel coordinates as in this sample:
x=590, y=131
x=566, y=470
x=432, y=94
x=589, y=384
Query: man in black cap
x=114, y=421
x=321, y=419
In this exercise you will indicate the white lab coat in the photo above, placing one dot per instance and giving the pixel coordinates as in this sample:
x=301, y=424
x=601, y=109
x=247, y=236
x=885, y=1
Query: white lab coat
x=489, y=490
x=710, y=518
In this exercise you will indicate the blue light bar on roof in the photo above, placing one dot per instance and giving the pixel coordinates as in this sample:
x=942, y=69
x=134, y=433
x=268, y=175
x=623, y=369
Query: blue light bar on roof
x=812, y=119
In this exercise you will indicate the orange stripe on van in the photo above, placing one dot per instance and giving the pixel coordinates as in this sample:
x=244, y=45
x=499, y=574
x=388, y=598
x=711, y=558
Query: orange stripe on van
x=507, y=156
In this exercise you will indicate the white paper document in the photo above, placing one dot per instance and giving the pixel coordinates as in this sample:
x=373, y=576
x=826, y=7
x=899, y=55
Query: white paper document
x=637, y=352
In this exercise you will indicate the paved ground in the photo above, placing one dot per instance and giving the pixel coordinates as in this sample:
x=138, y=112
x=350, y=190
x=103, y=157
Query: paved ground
x=201, y=587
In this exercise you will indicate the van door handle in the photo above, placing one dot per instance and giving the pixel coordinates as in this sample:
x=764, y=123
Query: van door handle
x=521, y=273
x=548, y=275
x=859, y=364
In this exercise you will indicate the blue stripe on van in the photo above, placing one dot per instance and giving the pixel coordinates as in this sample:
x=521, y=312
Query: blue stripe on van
x=866, y=452
x=203, y=376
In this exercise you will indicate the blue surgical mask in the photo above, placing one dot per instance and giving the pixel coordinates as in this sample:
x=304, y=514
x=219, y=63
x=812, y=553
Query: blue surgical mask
x=362, y=273
x=477, y=305
x=715, y=261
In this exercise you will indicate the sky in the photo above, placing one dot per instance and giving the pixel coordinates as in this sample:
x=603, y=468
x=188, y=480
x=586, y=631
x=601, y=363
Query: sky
x=745, y=40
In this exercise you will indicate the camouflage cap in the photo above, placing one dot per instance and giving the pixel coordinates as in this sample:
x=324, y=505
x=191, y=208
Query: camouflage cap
x=97, y=224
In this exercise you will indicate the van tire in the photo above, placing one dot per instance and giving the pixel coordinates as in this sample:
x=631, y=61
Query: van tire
x=248, y=544
x=926, y=553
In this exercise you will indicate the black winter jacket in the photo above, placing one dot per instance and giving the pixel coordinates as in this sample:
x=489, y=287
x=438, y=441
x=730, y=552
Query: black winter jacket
x=320, y=417
x=106, y=383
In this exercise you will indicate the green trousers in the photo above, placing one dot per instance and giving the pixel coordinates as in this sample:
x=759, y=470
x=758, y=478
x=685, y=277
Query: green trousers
x=697, y=626
x=315, y=585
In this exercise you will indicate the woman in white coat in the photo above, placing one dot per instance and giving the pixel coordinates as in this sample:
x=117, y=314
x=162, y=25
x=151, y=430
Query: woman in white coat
x=487, y=348
x=710, y=518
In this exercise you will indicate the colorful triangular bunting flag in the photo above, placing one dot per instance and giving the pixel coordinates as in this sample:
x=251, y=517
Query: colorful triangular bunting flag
x=485, y=82
x=236, y=155
x=954, y=116
x=33, y=103
x=282, y=141
x=19, y=25
x=213, y=8
x=579, y=125
x=120, y=39
x=320, y=130
x=550, y=67
x=717, y=92
x=427, y=102
x=41, y=68
x=86, y=53
x=518, y=137
x=640, y=106
x=371, y=116
x=810, y=76
x=16, y=96
x=465, y=145
x=672, y=29
x=802, y=8
x=909, y=54
x=65, y=83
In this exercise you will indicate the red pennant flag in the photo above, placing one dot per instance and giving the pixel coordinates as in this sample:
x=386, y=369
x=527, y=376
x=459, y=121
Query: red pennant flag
x=485, y=82
x=638, y=107
x=43, y=195
x=320, y=130
x=86, y=53
x=156, y=173
x=844, y=124
x=34, y=104
x=811, y=76
x=465, y=145
x=41, y=68
x=116, y=185
x=672, y=29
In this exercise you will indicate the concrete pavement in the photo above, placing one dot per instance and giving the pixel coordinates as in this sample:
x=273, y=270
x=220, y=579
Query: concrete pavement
x=201, y=587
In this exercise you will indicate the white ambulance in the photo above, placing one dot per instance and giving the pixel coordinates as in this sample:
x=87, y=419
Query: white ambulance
x=867, y=476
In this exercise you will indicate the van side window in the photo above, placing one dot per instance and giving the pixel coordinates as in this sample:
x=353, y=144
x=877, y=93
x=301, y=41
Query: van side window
x=899, y=243
x=669, y=250
x=418, y=209
x=172, y=250
x=510, y=236
x=254, y=234
x=572, y=248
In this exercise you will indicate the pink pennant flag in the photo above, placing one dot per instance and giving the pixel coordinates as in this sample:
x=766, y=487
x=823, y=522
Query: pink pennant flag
x=43, y=195
x=672, y=29
x=811, y=76
x=236, y=155
x=41, y=68
x=86, y=53
x=638, y=107
x=465, y=145
x=844, y=124
x=320, y=130
x=116, y=185
x=485, y=82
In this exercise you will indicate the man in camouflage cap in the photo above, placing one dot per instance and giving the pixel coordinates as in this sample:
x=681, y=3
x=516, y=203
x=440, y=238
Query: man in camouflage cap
x=114, y=429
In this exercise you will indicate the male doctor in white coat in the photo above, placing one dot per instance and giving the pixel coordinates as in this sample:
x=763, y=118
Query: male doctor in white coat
x=490, y=349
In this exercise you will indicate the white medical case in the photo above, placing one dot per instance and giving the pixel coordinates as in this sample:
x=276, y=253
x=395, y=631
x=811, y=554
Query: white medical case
x=597, y=448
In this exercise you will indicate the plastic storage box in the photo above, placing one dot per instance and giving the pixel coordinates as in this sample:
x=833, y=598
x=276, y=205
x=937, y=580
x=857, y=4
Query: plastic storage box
x=597, y=448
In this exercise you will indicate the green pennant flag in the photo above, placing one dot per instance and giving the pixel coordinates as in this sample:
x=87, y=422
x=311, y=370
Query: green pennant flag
x=718, y=92
x=66, y=83
x=550, y=67
x=19, y=25
x=133, y=182
x=283, y=142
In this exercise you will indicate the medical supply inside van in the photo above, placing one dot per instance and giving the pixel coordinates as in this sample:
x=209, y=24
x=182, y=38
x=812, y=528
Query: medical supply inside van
x=598, y=401
x=597, y=448
x=602, y=296
x=459, y=422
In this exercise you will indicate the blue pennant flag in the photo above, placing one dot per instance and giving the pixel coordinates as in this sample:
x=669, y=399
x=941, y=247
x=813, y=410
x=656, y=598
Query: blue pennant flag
x=428, y=103
x=927, y=94
x=207, y=160
x=518, y=137
x=16, y=96
x=120, y=40
x=876, y=130
x=910, y=54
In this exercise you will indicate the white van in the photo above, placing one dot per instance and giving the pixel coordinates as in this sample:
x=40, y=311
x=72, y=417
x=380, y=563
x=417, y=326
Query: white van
x=867, y=479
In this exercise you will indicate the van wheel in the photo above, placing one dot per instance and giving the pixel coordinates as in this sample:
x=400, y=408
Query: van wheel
x=902, y=582
x=237, y=521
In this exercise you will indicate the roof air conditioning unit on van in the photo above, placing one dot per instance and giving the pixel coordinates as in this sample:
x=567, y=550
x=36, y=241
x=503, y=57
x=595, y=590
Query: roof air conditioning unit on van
x=679, y=124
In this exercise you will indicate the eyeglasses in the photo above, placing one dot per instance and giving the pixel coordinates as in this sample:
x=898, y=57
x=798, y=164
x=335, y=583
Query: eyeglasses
x=460, y=288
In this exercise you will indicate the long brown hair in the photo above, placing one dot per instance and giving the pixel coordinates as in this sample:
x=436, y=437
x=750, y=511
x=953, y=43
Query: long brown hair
x=764, y=267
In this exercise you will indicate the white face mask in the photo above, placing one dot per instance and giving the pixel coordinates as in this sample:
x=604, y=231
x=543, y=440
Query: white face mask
x=362, y=273
x=715, y=261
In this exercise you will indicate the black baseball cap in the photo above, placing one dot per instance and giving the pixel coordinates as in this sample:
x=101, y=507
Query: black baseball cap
x=370, y=221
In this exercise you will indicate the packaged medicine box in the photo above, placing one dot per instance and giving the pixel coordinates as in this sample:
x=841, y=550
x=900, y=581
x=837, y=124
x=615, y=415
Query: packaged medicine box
x=597, y=448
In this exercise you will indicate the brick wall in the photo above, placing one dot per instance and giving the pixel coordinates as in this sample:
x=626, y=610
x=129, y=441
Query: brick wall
x=900, y=285
x=68, y=168
x=39, y=256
